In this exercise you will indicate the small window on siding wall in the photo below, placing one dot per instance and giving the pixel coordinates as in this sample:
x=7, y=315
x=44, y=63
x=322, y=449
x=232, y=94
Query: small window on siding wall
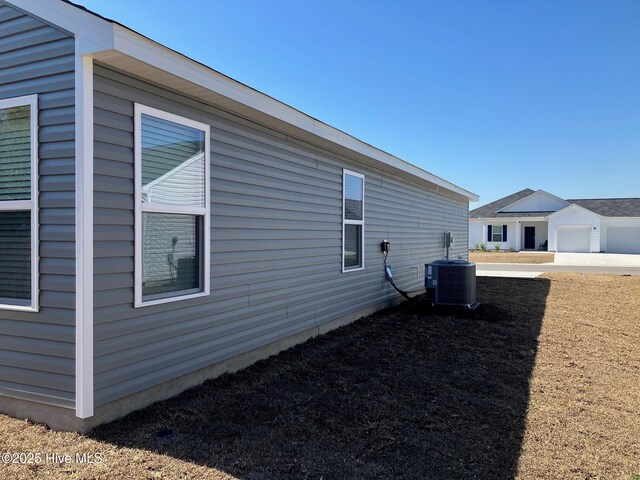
x=352, y=221
x=172, y=207
x=19, y=203
x=497, y=233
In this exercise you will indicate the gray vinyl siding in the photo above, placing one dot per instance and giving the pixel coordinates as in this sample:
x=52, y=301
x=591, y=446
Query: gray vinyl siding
x=37, y=350
x=276, y=220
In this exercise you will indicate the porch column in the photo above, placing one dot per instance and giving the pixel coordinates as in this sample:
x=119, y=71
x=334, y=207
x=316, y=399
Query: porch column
x=518, y=228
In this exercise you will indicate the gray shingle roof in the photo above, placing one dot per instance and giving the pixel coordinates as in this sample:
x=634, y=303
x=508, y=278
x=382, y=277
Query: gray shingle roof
x=490, y=209
x=611, y=207
x=607, y=207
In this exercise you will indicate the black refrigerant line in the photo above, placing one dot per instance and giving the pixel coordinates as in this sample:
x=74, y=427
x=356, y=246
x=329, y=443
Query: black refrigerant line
x=388, y=275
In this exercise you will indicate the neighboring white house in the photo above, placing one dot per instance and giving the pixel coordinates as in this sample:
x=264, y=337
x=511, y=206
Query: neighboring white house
x=538, y=220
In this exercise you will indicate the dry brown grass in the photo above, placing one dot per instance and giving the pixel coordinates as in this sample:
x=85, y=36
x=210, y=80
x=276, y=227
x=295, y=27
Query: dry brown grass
x=510, y=257
x=540, y=382
x=583, y=419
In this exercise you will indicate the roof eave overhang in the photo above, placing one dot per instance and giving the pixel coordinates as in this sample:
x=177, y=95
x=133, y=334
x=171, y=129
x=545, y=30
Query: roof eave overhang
x=511, y=219
x=125, y=49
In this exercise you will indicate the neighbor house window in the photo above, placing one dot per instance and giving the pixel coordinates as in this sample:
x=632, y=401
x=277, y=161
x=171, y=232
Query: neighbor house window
x=352, y=221
x=172, y=207
x=19, y=203
x=497, y=233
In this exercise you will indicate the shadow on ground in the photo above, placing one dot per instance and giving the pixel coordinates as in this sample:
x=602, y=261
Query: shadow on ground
x=404, y=393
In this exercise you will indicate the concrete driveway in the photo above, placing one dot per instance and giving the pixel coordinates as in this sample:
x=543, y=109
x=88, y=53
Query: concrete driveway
x=610, y=263
x=597, y=259
x=530, y=270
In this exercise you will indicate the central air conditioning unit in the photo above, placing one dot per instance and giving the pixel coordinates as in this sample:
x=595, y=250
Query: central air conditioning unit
x=451, y=282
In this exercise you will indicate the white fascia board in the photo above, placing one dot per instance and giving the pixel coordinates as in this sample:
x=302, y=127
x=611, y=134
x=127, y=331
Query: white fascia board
x=574, y=205
x=511, y=219
x=145, y=50
x=530, y=219
x=631, y=219
x=94, y=34
x=541, y=218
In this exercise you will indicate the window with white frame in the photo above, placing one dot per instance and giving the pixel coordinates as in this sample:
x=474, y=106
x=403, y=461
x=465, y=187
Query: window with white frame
x=497, y=233
x=19, y=203
x=172, y=207
x=352, y=221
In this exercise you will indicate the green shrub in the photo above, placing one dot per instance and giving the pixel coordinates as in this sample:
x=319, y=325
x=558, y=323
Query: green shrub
x=511, y=249
x=496, y=247
x=483, y=247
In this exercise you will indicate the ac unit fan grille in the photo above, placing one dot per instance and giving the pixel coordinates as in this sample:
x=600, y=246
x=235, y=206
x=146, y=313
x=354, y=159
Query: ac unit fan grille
x=456, y=285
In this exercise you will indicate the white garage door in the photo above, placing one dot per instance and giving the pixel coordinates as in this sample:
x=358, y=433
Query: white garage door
x=574, y=239
x=623, y=239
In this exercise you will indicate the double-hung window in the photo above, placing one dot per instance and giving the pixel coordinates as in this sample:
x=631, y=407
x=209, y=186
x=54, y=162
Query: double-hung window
x=497, y=233
x=172, y=207
x=19, y=203
x=352, y=221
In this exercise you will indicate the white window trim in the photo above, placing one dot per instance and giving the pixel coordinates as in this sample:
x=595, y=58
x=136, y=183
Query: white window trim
x=32, y=205
x=139, y=110
x=346, y=172
x=493, y=232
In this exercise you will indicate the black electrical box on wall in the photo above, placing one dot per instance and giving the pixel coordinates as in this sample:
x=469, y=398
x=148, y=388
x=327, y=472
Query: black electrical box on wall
x=385, y=245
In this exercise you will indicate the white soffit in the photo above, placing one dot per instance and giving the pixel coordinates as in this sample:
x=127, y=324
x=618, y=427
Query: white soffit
x=123, y=48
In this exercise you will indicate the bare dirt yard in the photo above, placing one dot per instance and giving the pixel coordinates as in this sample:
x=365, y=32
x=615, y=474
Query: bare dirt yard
x=510, y=257
x=540, y=382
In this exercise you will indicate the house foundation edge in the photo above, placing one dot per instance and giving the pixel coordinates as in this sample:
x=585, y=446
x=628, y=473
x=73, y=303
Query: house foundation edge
x=65, y=419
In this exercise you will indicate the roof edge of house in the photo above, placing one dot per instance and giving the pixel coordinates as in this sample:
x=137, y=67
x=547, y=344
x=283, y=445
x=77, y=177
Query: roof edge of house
x=100, y=34
x=609, y=208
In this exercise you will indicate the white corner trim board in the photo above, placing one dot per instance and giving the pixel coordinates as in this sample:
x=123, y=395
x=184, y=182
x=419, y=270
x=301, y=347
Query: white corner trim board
x=84, y=235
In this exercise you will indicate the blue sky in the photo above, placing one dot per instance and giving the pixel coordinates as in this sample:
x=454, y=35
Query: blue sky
x=494, y=96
